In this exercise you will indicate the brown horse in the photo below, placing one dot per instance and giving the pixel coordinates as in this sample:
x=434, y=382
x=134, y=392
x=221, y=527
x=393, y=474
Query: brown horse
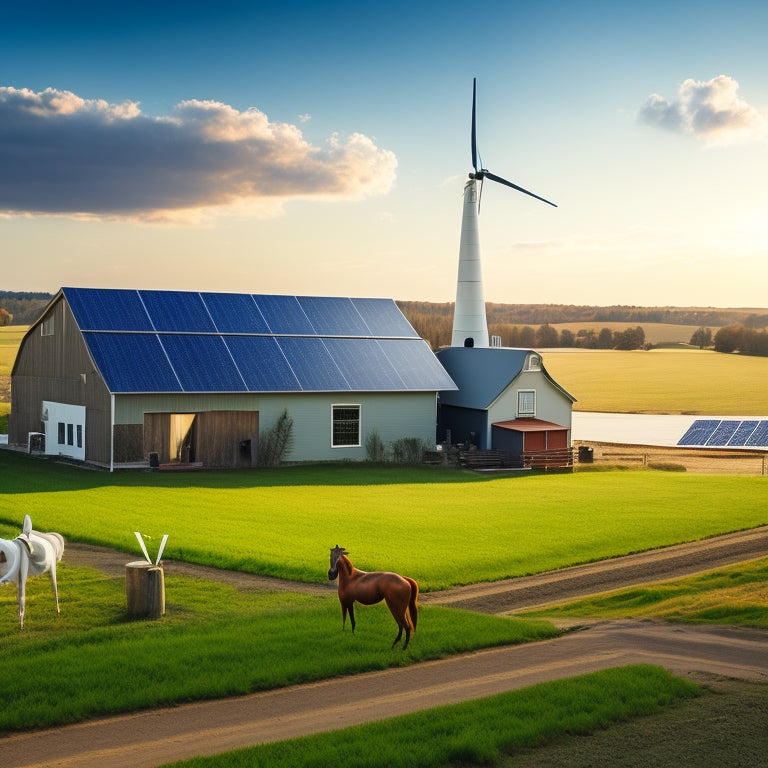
x=401, y=593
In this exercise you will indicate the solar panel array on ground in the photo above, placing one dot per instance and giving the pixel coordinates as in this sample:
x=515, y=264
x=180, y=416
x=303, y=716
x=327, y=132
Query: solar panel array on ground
x=727, y=433
x=173, y=341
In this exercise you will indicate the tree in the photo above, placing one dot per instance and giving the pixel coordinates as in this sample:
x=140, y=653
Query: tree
x=567, y=339
x=605, y=339
x=728, y=338
x=5, y=317
x=546, y=336
x=702, y=338
x=632, y=338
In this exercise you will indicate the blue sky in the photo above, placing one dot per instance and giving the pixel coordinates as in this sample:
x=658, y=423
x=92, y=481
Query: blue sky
x=322, y=149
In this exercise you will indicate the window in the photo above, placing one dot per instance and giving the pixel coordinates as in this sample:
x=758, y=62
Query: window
x=62, y=432
x=534, y=363
x=70, y=434
x=526, y=403
x=79, y=435
x=46, y=328
x=346, y=425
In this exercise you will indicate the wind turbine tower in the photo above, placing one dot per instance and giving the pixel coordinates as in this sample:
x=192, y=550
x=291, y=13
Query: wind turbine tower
x=470, y=326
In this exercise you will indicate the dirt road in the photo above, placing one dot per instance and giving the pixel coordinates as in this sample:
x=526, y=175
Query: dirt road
x=153, y=738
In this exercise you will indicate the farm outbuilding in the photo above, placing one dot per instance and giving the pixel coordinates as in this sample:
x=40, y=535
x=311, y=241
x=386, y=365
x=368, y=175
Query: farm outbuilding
x=505, y=400
x=120, y=377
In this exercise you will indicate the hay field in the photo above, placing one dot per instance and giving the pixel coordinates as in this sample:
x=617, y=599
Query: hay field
x=655, y=333
x=685, y=381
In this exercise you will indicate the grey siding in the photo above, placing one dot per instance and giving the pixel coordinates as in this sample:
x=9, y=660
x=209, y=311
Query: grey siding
x=57, y=367
x=392, y=415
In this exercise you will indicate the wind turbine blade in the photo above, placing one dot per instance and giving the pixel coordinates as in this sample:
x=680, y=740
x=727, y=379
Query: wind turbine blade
x=494, y=177
x=474, y=128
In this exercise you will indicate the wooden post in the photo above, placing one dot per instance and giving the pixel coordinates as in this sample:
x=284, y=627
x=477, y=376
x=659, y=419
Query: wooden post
x=145, y=589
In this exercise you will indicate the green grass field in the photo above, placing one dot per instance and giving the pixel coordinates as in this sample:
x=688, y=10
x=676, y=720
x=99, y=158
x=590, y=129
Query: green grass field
x=442, y=526
x=662, y=381
x=476, y=733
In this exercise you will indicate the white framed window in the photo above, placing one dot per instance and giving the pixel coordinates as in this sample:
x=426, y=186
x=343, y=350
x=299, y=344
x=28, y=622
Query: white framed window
x=345, y=425
x=526, y=402
x=46, y=327
x=533, y=363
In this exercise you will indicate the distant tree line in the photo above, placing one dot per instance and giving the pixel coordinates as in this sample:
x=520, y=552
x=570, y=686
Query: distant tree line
x=740, y=338
x=23, y=308
x=539, y=314
x=437, y=329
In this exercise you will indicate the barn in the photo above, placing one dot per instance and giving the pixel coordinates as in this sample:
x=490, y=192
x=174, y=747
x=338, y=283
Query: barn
x=505, y=400
x=117, y=377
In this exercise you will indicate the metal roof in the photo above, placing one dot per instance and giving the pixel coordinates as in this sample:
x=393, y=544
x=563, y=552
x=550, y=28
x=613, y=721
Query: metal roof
x=483, y=373
x=528, y=425
x=184, y=341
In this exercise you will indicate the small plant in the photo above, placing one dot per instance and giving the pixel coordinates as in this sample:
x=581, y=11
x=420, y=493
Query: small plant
x=274, y=443
x=408, y=450
x=374, y=447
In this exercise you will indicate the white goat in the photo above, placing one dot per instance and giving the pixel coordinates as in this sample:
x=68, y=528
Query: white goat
x=30, y=554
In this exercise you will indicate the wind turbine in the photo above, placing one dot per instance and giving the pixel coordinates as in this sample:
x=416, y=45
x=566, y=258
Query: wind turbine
x=470, y=326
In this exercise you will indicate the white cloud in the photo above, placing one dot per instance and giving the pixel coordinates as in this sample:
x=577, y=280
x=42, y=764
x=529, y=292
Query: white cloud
x=712, y=111
x=65, y=155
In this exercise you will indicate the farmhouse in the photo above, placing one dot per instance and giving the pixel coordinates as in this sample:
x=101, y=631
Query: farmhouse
x=120, y=377
x=505, y=400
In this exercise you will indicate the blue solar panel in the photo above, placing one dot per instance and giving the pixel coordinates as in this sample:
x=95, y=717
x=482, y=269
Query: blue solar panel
x=760, y=436
x=177, y=311
x=202, y=363
x=284, y=315
x=364, y=365
x=416, y=364
x=234, y=313
x=132, y=362
x=313, y=365
x=107, y=310
x=699, y=432
x=724, y=432
x=262, y=364
x=383, y=318
x=333, y=316
x=742, y=433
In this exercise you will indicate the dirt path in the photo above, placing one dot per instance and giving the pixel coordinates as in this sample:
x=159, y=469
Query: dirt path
x=156, y=737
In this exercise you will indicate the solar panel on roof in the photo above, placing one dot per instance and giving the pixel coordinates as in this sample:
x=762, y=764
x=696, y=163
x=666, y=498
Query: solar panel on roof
x=363, y=364
x=107, y=310
x=202, y=363
x=313, y=365
x=383, y=318
x=262, y=364
x=177, y=311
x=760, y=436
x=116, y=356
x=724, y=432
x=333, y=316
x=284, y=315
x=416, y=364
x=742, y=433
x=234, y=313
x=699, y=432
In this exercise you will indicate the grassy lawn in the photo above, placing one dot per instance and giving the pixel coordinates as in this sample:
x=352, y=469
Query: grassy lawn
x=662, y=381
x=442, y=526
x=476, y=732
x=90, y=661
x=736, y=595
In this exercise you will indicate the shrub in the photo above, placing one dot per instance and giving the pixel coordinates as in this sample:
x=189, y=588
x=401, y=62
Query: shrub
x=374, y=447
x=274, y=443
x=408, y=450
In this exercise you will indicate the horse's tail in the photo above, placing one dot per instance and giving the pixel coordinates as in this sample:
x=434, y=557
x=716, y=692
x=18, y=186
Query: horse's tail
x=413, y=603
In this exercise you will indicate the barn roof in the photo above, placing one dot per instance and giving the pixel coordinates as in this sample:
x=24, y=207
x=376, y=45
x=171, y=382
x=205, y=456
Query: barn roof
x=184, y=341
x=483, y=373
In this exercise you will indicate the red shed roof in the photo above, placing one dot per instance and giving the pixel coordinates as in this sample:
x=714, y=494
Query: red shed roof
x=529, y=425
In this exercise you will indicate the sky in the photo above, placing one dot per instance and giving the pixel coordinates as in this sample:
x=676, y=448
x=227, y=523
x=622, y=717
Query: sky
x=322, y=148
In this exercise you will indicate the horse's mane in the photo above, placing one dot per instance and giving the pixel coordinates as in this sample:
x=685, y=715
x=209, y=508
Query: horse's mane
x=346, y=563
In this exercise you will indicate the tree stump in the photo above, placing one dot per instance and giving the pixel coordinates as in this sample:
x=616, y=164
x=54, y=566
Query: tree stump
x=145, y=589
